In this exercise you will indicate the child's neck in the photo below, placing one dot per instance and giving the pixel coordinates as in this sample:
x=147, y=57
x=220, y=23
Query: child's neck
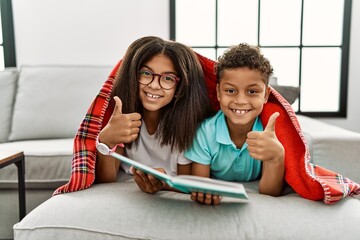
x=151, y=120
x=238, y=134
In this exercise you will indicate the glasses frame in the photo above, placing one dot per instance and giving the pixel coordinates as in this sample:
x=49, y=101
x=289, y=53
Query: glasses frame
x=177, y=79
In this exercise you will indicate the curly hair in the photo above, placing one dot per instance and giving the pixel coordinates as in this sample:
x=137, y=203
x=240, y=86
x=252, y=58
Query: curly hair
x=244, y=55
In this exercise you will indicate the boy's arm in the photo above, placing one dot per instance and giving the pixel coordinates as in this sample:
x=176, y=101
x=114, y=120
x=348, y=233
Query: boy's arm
x=272, y=179
x=265, y=147
x=203, y=171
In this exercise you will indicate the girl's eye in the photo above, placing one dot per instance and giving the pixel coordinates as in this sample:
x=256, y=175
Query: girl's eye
x=145, y=73
x=169, y=78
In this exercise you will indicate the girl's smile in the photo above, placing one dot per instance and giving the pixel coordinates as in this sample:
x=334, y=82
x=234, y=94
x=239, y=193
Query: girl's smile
x=153, y=97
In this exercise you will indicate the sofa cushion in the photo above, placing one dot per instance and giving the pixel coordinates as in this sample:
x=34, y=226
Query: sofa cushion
x=121, y=211
x=288, y=92
x=8, y=80
x=51, y=101
x=47, y=163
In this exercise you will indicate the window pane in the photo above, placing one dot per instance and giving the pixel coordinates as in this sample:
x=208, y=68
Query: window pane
x=280, y=22
x=2, y=64
x=1, y=36
x=320, y=83
x=323, y=22
x=220, y=52
x=285, y=62
x=195, y=21
x=237, y=22
x=206, y=52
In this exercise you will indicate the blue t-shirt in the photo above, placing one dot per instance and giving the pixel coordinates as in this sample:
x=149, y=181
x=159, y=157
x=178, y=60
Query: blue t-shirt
x=213, y=146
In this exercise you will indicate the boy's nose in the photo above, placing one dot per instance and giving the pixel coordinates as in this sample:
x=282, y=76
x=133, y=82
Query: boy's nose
x=240, y=98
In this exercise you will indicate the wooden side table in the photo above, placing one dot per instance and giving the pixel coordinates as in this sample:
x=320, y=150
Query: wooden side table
x=18, y=158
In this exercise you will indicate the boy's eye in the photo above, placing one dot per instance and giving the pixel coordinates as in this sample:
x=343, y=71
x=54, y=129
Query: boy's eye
x=230, y=90
x=252, y=91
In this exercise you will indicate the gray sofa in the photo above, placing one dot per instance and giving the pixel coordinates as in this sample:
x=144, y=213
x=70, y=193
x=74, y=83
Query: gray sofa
x=43, y=107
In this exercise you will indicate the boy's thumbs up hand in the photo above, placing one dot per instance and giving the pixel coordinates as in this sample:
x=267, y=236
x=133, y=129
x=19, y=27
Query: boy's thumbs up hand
x=265, y=145
x=270, y=127
x=121, y=128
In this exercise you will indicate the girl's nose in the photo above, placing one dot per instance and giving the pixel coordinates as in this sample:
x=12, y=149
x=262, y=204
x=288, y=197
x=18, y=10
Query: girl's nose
x=155, y=84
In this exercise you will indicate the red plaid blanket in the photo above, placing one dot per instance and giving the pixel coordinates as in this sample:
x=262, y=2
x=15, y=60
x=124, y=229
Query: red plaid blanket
x=308, y=180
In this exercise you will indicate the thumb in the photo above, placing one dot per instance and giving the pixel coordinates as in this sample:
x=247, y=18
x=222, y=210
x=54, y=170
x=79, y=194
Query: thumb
x=118, y=105
x=271, y=123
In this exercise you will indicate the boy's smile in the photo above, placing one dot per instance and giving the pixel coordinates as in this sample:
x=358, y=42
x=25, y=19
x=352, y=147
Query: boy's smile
x=242, y=94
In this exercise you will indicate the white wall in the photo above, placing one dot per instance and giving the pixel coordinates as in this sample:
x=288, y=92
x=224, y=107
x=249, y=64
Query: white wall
x=84, y=31
x=97, y=32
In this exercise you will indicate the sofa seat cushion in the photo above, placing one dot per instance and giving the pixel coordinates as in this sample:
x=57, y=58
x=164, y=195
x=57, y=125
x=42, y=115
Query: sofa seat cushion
x=47, y=163
x=121, y=211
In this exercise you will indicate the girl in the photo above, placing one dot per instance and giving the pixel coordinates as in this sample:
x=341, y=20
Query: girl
x=160, y=99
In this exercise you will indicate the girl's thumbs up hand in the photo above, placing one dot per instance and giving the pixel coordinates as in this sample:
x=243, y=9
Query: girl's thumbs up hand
x=121, y=128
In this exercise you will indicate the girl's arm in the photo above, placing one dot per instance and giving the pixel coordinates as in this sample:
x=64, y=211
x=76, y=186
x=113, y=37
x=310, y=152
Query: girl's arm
x=150, y=184
x=121, y=128
x=107, y=167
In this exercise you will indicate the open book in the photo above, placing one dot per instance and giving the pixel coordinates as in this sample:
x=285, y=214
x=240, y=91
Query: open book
x=189, y=183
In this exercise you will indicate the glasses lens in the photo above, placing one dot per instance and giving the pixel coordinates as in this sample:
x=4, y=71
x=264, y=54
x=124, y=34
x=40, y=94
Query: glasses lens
x=167, y=81
x=145, y=77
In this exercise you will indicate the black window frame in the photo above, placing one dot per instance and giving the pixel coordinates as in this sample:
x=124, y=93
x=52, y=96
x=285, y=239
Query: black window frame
x=7, y=27
x=345, y=48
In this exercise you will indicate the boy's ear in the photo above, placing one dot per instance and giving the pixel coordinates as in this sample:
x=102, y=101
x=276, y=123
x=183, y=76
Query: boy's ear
x=267, y=94
x=218, y=91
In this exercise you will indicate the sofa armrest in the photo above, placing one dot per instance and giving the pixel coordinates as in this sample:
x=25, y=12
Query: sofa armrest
x=332, y=147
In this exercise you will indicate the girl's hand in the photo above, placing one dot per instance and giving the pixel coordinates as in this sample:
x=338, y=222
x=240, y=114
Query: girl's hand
x=121, y=128
x=146, y=182
x=207, y=198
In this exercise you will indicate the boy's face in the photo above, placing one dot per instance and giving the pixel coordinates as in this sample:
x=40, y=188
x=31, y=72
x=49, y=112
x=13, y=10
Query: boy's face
x=242, y=94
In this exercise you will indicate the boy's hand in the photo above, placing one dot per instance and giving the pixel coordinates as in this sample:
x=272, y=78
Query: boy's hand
x=121, y=128
x=207, y=198
x=265, y=145
x=146, y=182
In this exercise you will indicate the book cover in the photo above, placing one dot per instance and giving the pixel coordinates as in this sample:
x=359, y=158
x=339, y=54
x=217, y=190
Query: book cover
x=189, y=183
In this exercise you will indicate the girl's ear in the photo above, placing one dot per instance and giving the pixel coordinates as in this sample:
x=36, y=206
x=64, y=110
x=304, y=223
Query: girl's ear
x=218, y=91
x=267, y=94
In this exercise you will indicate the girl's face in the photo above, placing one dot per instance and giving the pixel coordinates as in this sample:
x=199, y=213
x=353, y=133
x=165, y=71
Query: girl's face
x=242, y=95
x=152, y=96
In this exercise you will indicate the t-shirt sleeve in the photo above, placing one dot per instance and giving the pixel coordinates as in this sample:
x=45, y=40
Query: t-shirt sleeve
x=200, y=151
x=182, y=160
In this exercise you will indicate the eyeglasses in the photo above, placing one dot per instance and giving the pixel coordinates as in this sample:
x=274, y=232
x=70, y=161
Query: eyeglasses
x=166, y=81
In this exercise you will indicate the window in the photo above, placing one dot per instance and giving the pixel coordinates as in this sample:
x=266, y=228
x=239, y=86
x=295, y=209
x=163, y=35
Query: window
x=306, y=41
x=7, y=44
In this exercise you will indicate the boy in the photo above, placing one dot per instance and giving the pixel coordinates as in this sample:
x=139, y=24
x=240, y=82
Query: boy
x=233, y=145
